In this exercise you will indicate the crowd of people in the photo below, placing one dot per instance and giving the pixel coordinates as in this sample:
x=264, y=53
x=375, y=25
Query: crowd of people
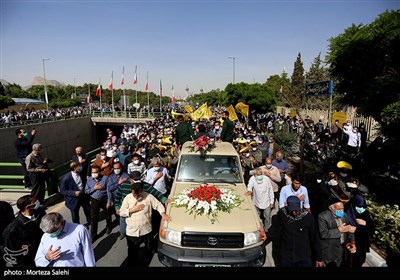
x=322, y=221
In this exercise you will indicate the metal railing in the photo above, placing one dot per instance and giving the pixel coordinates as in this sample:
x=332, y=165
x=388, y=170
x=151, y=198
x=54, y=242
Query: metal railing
x=52, y=182
x=98, y=114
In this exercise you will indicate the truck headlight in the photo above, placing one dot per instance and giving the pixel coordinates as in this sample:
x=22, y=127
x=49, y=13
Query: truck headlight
x=171, y=235
x=251, y=238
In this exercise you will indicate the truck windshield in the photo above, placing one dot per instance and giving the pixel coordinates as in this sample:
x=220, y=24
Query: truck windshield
x=212, y=168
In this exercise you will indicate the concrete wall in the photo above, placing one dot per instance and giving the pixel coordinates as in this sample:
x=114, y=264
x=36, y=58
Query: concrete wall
x=59, y=138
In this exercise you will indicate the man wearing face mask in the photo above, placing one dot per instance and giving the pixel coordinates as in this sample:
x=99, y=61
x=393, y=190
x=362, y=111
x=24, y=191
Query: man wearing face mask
x=260, y=189
x=295, y=237
x=136, y=165
x=283, y=168
x=114, y=181
x=157, y=175
x=22, y=236
x=336, y=234
x=228, y=128
x=64, y=244
x=38, y=170
x=72, y=188
x=126, y=188
x=104, y=162
x=23, y=144
x=273, y=174
x=96, y=187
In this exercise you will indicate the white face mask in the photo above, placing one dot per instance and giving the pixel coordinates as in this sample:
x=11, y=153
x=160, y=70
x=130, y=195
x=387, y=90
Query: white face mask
x=95, y=175
x=247, y=155
x=117, y=171
x=268, y=166
x=319, y=181
x=254, y=149
x=136, y=162
x=103, y=157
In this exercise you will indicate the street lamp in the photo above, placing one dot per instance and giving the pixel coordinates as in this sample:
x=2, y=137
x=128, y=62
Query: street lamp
x=45, y=86
x=233, y=61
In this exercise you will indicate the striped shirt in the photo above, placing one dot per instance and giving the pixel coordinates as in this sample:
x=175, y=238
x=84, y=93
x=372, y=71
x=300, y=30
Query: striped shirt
x=126, y=188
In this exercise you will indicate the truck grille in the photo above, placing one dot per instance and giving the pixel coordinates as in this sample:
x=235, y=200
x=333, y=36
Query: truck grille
x=212, y=240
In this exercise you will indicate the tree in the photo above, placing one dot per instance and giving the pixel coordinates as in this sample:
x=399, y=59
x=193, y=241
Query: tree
x=365, y=60
x=297, y=84
x=275, y=82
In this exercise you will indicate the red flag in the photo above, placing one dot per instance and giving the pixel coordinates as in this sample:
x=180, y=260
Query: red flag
x=98, y=91
x=110, y=86
x=135, y=77
x=89, y=99
x=123, y=73
x=173, y=99
x=160, y=89
x=146, y=88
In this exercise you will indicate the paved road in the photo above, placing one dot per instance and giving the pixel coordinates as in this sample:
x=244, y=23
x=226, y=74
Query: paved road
x=112, y=252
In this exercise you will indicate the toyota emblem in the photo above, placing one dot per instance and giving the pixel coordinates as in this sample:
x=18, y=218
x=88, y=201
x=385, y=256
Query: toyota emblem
x=212, y=241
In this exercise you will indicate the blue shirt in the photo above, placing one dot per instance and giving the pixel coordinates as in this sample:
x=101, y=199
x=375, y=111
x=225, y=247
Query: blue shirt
x=287, y=191
x=97, y=194
x=112, y=184
x=75, y=244
x=281, y=165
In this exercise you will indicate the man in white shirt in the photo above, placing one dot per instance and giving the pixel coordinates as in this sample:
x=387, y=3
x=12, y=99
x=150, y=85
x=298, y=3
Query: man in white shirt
x=260, y=189
x=354, y=141
x=157, y=175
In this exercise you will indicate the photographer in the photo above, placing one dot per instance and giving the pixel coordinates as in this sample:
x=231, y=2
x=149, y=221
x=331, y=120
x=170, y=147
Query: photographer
x=38, y=171
x=23, y=144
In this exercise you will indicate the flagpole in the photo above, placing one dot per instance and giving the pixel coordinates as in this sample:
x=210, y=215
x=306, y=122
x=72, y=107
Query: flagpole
x=135, y=82
x=101, y=106
x=89, y=98
x=112, y=92
x=123, y=89
x=148, y=95
x=160, y=96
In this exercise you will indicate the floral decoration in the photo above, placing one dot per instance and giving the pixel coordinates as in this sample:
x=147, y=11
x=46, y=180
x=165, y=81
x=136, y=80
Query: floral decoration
x=203, y=144
x=207, y=200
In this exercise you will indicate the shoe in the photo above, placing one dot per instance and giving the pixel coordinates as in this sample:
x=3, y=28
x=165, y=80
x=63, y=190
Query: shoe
x=121, y=237
x=108, y=231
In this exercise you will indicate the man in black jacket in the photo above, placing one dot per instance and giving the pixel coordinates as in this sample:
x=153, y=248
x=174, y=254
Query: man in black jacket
x=23, y=144
x=22, y=236
x=183, y=131
x=295, y=235
x=228, y=128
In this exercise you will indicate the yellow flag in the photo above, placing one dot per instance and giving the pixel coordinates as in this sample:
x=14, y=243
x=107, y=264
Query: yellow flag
x=232, y=113
x=242, y=108
x=175, y=115
x=200, y=112
x=207, y=114
x=188, y=108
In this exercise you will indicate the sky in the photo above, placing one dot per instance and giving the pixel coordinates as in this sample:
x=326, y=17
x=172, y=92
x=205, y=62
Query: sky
x=182, y=43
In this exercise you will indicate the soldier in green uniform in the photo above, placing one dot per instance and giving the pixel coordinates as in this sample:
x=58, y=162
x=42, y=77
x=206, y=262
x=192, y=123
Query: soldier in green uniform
x=183, y=132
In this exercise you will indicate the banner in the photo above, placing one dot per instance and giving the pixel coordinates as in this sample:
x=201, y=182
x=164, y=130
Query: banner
x=242, y=108
x=340, y=116
x=188, y=108
x=232, y=113
x=201, y=112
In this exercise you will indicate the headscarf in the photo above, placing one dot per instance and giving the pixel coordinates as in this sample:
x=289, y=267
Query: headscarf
x=356, y=201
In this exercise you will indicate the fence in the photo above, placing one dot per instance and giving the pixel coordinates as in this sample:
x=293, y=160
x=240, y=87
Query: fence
x=51, y=184
x=371, y=125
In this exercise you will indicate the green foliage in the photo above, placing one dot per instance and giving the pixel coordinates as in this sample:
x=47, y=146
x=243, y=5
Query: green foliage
x=296, y=89
x=6, y=101
x=288, y=142
x=387, y=220
x=64, y=103
x=366, y=63
x=390, y=124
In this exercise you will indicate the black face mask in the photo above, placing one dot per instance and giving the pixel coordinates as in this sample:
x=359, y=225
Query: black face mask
x=224, y=118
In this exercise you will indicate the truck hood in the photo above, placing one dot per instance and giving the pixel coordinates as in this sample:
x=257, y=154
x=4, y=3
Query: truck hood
x=243, y=218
